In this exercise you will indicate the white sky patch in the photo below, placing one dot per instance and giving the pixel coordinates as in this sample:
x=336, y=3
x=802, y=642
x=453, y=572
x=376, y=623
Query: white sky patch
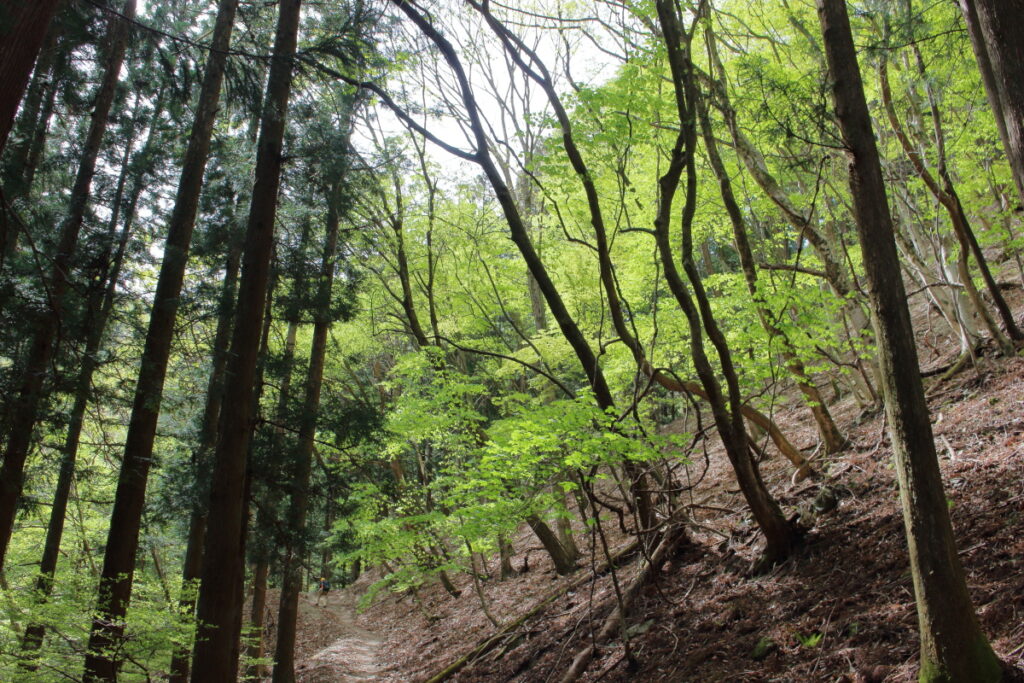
x=511, y=105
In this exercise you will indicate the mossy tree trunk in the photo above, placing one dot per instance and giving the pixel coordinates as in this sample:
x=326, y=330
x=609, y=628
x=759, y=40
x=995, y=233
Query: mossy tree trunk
x=953, y=648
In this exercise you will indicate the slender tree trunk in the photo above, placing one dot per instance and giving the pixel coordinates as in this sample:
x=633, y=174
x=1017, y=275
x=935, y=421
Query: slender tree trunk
x=123, y=537
x=830, y=435
x=780, y=535
x=99, y=306
x=23, y=25
x=953, y=648
x=325, y=553
x=24, y=411
x=263, y=553
x=998, y=39
x=219, y=612
x=947, y=196
x=284, y=655
x=836, y=274
x=519, y=52
x=193, y=563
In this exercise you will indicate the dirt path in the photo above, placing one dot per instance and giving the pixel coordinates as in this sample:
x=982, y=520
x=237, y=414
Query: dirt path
x=351, y=654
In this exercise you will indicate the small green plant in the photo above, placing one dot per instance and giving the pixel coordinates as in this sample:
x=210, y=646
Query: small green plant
x=765, y=646
x=809, y=641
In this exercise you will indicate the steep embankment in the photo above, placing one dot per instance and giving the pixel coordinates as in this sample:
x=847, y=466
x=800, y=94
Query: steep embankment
x=841, y=609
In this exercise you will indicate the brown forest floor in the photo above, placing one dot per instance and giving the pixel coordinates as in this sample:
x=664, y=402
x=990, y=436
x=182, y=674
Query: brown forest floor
x=706, y=618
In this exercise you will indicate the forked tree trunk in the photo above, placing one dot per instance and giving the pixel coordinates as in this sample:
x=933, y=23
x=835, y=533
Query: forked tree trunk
x=219, y=612
x=953, y=648
x=21, y=421
x=780, y=535
x=115, y=587
x=563, y=563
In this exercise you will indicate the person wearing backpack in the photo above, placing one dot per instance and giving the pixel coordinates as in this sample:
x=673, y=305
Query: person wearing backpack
x=323, y=587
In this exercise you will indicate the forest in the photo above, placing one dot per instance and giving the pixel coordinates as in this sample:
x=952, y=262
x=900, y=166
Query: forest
x=563, y=340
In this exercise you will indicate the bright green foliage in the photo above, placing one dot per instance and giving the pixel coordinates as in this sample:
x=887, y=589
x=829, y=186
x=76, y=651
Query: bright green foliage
x=450, y=437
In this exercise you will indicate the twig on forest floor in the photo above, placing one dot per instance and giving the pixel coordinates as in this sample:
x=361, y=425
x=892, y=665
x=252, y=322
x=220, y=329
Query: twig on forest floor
x=611, y=667
x=824, y=630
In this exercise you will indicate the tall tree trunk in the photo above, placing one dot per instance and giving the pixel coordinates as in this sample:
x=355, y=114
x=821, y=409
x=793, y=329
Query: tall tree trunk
x=23, y=25
x=219, y=612
x=998, y=39
x=115, y=587
x=953, y=648
x=27, y=148
x=24, y=412
x=99, y=306
x=284, y=654
x=193, y=563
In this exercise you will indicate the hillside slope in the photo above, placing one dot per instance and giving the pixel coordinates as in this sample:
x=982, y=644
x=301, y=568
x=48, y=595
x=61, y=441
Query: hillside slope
x=841, y=609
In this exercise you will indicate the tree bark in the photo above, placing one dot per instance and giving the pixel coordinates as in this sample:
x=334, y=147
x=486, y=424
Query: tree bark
x=219, y=612
x=997, y=35
x=99, y=306
x=831, y=437
x=256, y=616
x=23, y=25
x=953, y=648
x=563, y=563
x=24, y=412
x=34, y=113
x=284, y=655
x=192, y=566
x=115, y=587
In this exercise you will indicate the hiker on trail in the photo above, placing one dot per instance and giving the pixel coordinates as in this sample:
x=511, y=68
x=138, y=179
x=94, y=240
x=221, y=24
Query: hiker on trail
x=322, y=589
